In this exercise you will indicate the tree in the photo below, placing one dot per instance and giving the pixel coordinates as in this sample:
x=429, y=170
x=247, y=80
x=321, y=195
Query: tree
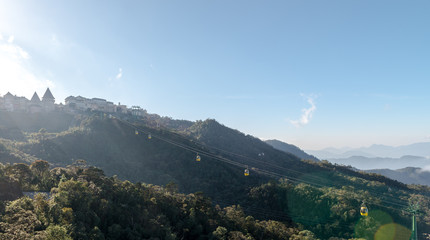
x=21, y=173
x=55, y=232
x=39, y=167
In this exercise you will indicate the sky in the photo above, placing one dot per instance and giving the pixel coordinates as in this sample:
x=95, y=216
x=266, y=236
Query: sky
x=335, y=73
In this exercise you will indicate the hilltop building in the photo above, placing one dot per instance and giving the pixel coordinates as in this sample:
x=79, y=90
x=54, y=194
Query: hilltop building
x=35, y=104
x=79, y=103
x=85, y=104
x=137, y=111
x=72, y=104
x=13, y=103
x=48, y=101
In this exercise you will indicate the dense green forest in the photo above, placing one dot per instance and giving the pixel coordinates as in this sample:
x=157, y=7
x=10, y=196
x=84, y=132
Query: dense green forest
x=283, y=198
x=85, y=204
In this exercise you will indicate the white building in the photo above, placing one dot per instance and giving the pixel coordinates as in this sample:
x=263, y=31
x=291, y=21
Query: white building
x=13, y=103
x=95, y=104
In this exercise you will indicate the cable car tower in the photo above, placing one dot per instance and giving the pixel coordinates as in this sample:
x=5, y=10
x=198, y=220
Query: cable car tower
x=414, y=208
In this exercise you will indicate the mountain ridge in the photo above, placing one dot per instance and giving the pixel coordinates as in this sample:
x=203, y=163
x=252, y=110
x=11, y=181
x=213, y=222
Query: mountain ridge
x=408, y=175
x=286, y=147
x=367, y=163
x=375, y=150
x=280, y=185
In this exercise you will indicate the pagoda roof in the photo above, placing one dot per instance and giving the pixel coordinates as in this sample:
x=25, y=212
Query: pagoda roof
x=48, y=94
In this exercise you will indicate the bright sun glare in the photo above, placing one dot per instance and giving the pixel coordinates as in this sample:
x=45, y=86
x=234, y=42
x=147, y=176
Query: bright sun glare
x=15, y=74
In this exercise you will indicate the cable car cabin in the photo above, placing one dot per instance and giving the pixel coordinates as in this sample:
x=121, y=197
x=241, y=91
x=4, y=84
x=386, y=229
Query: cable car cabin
x=198, y=158
x=149, y=136
x=364, y=211
x=136, y=132
x=246, y=173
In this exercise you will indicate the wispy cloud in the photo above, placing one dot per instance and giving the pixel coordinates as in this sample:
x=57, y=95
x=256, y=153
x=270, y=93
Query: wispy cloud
x=306, y=113
x=116, y=80
x=12, y=51
x=119, y=75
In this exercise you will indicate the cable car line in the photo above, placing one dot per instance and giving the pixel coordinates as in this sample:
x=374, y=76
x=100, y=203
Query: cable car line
x=258, y=170
x=265, y=172
x=316, y=178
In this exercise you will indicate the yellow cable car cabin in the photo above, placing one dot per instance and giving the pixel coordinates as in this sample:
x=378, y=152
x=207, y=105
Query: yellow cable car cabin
x=149, y=136
x=198, y=158
x=246, y=173
x=136, y=132
x=364, y=211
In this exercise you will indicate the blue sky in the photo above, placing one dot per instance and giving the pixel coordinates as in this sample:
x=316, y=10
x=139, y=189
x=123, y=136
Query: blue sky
x=312, y=73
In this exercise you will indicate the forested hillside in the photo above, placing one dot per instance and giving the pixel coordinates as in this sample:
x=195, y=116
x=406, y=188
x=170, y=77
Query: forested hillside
x=87, y=205
x=304, y=195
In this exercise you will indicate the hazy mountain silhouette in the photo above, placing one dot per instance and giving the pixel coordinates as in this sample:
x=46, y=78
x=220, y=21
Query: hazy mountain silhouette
x=417, y=149
x=409, y=175
x=289, y=148
x=366, y=163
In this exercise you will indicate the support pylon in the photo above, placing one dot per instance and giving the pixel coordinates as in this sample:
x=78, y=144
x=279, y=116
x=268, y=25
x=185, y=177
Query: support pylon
x=413, y=208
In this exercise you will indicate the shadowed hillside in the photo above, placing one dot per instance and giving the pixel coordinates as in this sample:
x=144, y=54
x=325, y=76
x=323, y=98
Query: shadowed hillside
x=114, y=147
x=12, y=122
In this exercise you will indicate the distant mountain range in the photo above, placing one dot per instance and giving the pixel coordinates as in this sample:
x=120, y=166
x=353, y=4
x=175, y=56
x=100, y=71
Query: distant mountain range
x=417, y=149
x=409, y=175
x=289, y=148
x=403, y=163
x=164, y=151
x=367, y=163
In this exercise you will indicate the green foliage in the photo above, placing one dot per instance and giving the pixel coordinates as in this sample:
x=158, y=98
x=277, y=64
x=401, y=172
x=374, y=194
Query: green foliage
x=35, y=177
x=55, y=232
x=97, y=207
x=86, y=204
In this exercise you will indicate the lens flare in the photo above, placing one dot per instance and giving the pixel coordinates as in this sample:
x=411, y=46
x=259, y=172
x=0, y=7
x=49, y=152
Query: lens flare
x=392, y=231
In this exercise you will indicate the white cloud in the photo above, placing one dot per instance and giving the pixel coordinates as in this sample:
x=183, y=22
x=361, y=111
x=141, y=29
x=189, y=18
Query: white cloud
x=119, y=75
x=11, y=38
x=424, y=169
x=16, y=75
x=306, y=113
x=10, y=50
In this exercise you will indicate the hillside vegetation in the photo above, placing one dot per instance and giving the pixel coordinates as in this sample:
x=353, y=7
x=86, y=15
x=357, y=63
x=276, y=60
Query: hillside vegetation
x=87, y=205
x=318, y=199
